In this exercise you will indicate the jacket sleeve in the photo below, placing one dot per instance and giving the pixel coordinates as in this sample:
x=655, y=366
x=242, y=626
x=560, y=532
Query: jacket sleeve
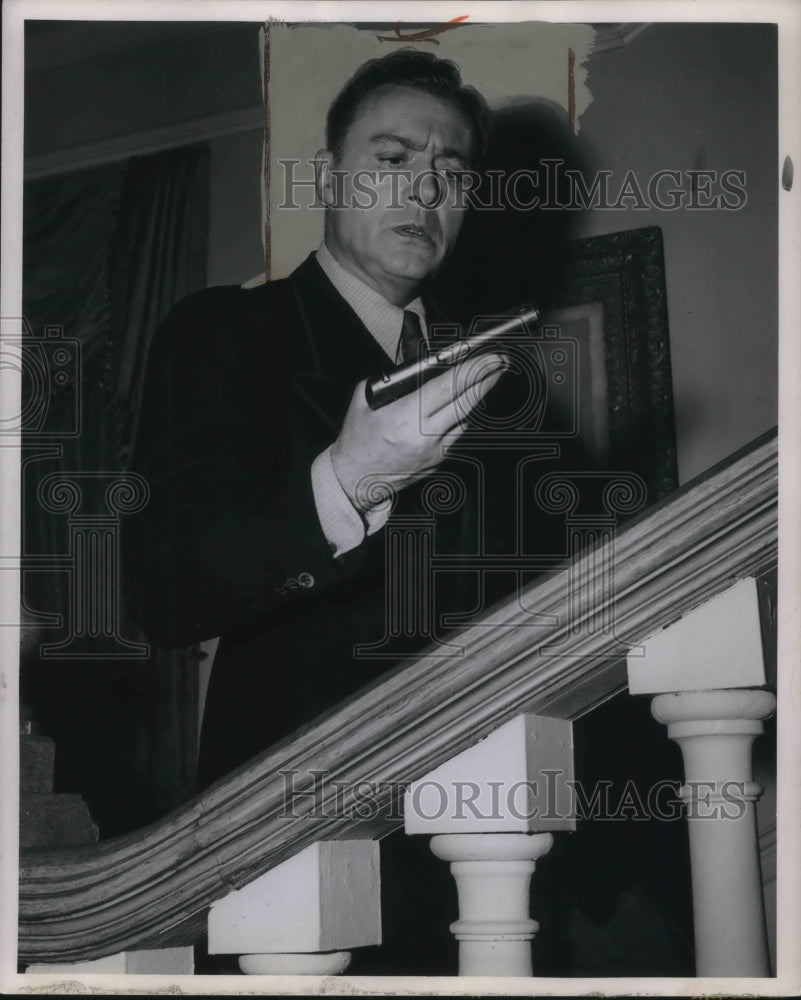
x=230, y=532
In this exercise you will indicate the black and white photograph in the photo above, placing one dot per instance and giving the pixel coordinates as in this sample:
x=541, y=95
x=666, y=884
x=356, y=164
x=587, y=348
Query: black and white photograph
x=391, y=403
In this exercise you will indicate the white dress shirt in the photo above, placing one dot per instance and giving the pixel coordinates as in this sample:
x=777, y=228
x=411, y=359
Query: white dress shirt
x=343, y=525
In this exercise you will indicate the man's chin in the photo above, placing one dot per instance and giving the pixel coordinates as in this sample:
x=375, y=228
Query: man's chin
x=412, y=266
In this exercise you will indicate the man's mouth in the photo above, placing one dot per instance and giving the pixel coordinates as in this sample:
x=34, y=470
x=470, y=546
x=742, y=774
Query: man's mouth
x=413, y=232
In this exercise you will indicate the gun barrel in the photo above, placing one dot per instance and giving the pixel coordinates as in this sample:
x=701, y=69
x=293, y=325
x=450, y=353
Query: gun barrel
x=405, y=378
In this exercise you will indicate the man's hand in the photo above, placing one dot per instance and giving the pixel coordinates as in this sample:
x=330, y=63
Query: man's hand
x=403, y=441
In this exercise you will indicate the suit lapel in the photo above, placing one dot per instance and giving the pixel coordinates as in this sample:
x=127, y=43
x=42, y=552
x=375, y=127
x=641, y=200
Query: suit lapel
x=337, y=350
x=339, y=343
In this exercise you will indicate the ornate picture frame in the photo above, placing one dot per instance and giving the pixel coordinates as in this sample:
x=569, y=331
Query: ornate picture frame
x=620, y=277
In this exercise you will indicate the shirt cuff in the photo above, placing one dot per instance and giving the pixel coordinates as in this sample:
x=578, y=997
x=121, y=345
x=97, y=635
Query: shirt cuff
x=343, y=526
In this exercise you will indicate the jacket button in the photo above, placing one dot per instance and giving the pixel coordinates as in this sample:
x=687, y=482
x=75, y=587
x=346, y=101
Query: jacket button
x=305, y=579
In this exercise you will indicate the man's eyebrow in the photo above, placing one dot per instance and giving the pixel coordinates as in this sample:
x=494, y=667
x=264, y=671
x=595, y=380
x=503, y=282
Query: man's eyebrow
x=407, y=143
x=401, y=140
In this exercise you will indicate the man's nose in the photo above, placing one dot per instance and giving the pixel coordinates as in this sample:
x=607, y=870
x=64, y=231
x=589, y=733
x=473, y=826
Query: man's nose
x=427, y=188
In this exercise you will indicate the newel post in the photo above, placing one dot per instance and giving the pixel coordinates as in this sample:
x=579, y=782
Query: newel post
x=706, y=670
x=490, y=812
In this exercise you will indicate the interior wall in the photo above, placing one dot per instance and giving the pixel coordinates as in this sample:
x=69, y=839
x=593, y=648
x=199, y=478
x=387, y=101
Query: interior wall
x=702, y=96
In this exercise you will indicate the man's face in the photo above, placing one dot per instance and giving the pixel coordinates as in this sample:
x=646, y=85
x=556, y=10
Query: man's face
x=401, y=159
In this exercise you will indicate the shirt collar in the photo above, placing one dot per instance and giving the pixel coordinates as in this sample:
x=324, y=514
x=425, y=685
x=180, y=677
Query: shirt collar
x=382, y=318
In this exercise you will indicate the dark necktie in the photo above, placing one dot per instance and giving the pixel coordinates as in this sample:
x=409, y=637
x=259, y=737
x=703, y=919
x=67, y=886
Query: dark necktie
x=412, y=340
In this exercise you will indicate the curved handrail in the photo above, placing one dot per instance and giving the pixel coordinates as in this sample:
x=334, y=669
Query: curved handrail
x=153, y=888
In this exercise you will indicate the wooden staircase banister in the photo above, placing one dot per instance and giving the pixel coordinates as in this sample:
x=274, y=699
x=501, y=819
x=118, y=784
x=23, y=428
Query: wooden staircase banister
x=153, y=888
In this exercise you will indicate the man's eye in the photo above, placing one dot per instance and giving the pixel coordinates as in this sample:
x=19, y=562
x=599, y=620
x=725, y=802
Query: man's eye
x=392, y=161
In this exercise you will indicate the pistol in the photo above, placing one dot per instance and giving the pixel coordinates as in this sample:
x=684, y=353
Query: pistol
x=391, y=385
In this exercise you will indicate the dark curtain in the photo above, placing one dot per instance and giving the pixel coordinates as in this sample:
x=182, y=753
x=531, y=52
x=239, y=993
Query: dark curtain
x=106, y=254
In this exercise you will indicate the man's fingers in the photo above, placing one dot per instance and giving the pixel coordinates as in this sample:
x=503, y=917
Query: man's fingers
x=456, y=412
x=441, y=391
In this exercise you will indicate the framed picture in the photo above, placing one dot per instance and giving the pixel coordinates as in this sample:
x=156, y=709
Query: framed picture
x=610, y=299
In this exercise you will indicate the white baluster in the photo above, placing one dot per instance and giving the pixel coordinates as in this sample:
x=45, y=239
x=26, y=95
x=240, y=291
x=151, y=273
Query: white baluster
x=487, y=810
x=715, y=730
x=706, y=670
x=493, y=872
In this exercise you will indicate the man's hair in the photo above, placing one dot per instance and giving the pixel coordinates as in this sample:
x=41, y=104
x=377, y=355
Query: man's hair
x=407, y=68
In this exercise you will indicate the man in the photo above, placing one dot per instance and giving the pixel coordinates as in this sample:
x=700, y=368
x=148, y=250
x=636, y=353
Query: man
x=265, y=523
x=256, y=439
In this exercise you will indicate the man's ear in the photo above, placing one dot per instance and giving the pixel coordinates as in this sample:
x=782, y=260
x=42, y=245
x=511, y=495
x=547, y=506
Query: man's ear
x=324, y=178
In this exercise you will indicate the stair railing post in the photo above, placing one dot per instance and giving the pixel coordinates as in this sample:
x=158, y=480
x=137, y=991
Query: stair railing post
x=490, y=811
x=707, y=672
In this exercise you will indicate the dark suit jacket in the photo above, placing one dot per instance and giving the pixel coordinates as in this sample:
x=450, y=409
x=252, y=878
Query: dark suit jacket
x=244, y=389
